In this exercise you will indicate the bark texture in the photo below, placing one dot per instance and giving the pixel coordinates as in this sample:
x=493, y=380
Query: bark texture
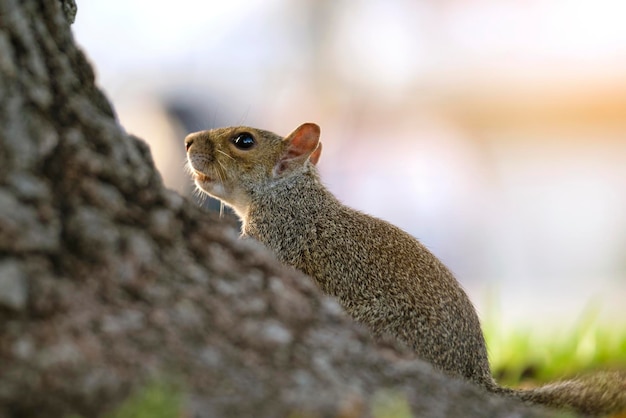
x=108, y=280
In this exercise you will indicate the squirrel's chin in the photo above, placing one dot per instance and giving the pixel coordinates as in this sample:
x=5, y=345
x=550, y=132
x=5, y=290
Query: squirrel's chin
x=211, y=187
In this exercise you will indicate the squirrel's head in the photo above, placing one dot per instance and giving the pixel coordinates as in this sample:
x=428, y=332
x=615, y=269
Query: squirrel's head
x=231, y=163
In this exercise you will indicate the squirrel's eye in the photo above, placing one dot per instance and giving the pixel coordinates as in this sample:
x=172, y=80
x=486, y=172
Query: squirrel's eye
x=243, y=141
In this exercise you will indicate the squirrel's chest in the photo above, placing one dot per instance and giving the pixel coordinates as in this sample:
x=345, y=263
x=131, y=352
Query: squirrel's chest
x=290, y=240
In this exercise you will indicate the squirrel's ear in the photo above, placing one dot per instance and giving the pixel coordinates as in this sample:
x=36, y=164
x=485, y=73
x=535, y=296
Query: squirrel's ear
x=315, y=155
x=302, y=144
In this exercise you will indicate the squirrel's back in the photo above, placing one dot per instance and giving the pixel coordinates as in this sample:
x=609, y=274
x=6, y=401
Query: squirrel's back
x=383, y=276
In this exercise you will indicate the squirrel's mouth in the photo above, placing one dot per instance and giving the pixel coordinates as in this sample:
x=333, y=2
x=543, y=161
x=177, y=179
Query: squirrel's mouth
x=201, y=177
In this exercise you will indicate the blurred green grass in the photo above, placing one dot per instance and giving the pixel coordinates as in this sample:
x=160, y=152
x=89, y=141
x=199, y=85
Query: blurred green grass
x=520, y=355
x=159, y=398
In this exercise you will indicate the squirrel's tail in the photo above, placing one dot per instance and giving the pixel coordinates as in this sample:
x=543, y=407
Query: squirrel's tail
x=597, y=394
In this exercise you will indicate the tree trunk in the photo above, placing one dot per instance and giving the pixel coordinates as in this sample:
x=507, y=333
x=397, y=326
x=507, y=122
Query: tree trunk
x=108, y=280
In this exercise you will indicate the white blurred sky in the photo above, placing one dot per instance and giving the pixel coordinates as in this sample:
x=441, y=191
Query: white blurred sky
x=495, y=131
x=404, y=36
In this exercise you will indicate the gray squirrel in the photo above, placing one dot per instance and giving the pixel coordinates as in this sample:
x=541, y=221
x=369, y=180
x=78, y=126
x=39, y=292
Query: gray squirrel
x=382, y=276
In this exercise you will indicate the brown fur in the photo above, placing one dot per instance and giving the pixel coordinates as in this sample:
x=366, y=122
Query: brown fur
x=382, y=276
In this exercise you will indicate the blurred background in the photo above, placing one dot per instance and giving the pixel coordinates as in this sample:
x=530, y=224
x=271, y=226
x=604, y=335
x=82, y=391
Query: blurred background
x=493, y=131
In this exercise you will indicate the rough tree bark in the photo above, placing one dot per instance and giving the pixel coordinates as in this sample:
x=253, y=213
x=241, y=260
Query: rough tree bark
x=107, y=279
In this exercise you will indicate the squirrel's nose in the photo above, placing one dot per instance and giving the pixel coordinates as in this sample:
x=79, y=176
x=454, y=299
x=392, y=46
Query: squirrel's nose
x=188, y=142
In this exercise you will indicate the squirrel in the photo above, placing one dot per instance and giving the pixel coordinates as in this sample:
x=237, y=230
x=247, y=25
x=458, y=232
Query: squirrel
x=382, y=276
